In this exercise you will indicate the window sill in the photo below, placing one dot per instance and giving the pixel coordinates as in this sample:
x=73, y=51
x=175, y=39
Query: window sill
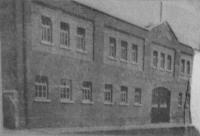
x=81, y=51
x=138, y=104
x=112, y=58
x=42, y=100
x=108, y=103
x=66, y=101
x=87, y=102
x=124, y=104
x=65, y=47
x=47, y=43
x=124, y=61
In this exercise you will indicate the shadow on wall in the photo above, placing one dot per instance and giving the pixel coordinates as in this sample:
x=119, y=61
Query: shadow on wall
x=10, y=109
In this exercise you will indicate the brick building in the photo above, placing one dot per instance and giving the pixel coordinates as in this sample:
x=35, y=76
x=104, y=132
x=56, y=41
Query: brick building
x=67, y=64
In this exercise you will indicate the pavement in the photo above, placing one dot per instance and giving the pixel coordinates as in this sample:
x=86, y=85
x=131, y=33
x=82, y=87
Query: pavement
x=143, y=130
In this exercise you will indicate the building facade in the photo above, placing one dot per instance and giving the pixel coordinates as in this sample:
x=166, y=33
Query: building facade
x=67, y=64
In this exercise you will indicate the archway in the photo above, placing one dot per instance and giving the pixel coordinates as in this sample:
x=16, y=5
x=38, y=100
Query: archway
x=160, y=110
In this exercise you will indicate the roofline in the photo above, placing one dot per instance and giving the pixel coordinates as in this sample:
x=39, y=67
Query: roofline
x=187, y=46
x=94, y=9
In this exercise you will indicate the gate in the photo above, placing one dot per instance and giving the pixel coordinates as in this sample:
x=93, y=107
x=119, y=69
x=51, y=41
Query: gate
x=160, y=111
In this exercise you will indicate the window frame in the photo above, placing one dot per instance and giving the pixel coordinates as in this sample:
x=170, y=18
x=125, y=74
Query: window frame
x=155, y=58
x=64, y=34
x=82, y=38
x=171, y=63
x=134, y=50
x=124, y=95
x=136, y=95
x=112, y=48
x=46, y=30
x=41, y=82
x=124, y=51
x=66, y=84
x=87, y=96
x=180, y=99
x=162, y=61
x=108, y=91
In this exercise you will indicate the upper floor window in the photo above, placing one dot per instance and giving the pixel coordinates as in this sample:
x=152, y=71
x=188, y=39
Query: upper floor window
x=41, y=87
x=155, y=59
x=66, y=89
x=138, y=96
x=182, y=66
x=108, y=93
x=134, y=53
x=124, y=50
x=46, y=29
x=124, y=94
x=180, y=99
x=87, y=91
x=64, y=34
x=162, y=60
x=81, y=38
x=112, y=47
x=188, y=67
x=169, y=62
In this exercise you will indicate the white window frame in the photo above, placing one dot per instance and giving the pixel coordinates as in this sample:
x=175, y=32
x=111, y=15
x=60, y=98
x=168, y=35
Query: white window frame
x=171, y=64
x=180, y=100
x=124, y=96
x=112, y=48
x=157, y=60
x=164, y=61
x=108, y=94
x=87, y=94
x=136, y=95
x=182, y=67
x=64, y=36
x=81, y=40
x=46, y=31
x=134, y=53
x=43, y=91
x=67, y=90
x=124, y=51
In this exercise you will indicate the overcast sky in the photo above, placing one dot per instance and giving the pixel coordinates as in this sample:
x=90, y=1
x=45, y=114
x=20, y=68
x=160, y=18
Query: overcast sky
x=182, y=15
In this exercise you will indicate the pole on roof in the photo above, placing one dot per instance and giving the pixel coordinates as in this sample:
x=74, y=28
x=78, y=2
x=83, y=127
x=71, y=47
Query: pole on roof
x=161, y=10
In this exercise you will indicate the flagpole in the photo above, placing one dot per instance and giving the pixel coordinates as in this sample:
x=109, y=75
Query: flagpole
x=161, y=10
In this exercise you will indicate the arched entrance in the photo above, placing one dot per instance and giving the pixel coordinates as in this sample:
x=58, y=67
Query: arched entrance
x=160, y=110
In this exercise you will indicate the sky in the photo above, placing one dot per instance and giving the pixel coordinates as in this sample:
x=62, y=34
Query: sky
x=182, y=15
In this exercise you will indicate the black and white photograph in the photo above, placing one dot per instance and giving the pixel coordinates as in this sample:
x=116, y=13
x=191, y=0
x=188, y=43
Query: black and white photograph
x=100, y=67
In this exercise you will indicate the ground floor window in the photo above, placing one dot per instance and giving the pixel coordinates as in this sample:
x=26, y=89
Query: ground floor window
x=66, y=89
x=41, y=87
x=138, y=96
x=108, y=93
x=87, y=91
x=124, y=94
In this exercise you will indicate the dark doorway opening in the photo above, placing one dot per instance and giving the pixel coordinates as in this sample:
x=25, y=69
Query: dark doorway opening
x=160, y=111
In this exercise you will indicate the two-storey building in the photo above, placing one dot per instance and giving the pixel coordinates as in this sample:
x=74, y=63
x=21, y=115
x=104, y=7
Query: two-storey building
x=67, y=64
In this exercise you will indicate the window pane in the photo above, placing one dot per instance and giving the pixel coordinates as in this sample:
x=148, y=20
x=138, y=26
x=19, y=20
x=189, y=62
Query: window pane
x=138, y=95
x=169, y=62
x=155, y=58
x=134, y=53
x=87, y=90
x=108, y=93
x=112, y=50
x=162, y=60
x=124, y=94
x=188, y=67
x=180, y=97
x=124, y=50
x=183, y=66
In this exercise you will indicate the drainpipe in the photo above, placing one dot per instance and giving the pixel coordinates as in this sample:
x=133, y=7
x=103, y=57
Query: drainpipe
x=24, y=51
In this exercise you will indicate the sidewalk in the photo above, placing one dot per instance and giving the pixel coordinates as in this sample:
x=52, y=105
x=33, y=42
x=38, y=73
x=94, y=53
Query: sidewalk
x=154, y=128
x=55, y=131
